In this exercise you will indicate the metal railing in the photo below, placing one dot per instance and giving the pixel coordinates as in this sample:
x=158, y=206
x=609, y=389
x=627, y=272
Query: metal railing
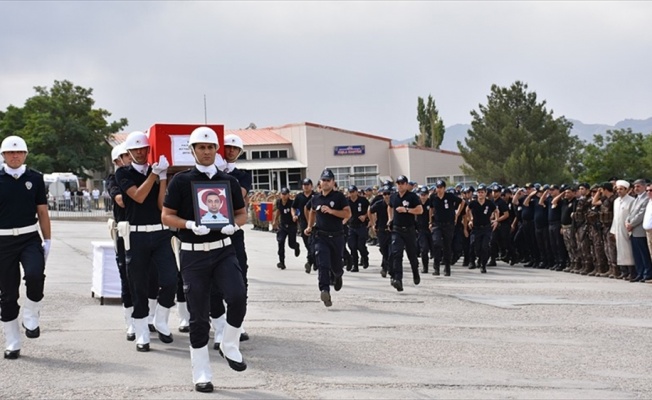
x=79, y=207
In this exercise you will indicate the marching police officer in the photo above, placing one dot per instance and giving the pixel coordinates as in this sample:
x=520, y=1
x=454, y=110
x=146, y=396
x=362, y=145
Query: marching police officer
x=424, y=237
x=328, y=209
x=298, y=210
x=358, y=229
x=286, y=223
x=403, y=206
x=443, y=208
x=121, y=157
x=23, y=209
x=482, y=222
x=379, y=219
x=147, y=240
x=208, y=257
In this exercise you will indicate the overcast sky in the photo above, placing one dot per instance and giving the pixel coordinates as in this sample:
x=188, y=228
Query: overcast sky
x=353, y=65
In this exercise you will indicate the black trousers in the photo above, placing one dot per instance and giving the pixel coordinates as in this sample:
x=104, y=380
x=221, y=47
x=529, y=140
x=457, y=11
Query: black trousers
x=530, y=241
x=200, y=270
x=288, y=231
x=121, y=261
x=307, y=239
x=556, y=242
x=357, y=241
x=329, y=250
x=424, y=240
x=442, y=242
x=238, y=243
x=543, y=244
x=403, y=238
x=501, y=240
x=25, y=250
x=384, y=239
x=480, y=238
x=151, y=251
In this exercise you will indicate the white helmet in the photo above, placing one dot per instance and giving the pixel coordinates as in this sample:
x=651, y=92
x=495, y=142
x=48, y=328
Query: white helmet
x=203, y=134
x=136, y=140
x=118, y=151
x=13, y=143
x=233, y=140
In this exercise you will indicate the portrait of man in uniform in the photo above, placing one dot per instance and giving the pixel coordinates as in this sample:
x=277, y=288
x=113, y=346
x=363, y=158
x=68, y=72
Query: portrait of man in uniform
x=212, y=207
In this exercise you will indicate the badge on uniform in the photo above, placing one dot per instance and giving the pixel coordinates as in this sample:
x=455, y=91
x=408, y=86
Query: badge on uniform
x=332, y=204
x=28, y=185
x=406, y=203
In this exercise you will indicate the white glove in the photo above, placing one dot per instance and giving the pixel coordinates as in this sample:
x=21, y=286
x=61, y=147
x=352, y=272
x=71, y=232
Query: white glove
x=199, y=230
x=230, y=229
x=161, y=167
x=46, y=248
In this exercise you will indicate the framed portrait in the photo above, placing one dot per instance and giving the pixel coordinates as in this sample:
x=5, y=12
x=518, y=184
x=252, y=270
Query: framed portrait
x=212, y=204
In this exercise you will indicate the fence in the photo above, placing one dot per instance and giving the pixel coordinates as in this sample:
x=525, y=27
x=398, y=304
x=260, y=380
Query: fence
x=79, y=207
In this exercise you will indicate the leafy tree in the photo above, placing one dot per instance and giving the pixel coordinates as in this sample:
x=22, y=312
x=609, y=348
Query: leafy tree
x=515, y=139
x=621, y=153
x=62, y=129
x=431, y=126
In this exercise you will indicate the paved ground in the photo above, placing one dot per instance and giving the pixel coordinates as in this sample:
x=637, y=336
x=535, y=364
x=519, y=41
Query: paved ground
x=512, y=333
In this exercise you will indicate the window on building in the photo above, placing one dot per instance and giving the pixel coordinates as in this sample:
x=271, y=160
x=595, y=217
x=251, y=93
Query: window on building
x=243, y=156
x=260, y=179
x=268, y=154
x=341, y=175
x=365, y=175
x=294, y=179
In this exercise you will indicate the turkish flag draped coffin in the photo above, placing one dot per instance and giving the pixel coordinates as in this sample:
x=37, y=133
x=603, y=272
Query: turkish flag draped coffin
x=172, y=142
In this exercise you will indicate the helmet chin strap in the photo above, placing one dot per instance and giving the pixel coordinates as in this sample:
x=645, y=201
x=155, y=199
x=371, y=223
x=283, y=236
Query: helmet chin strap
x=133, y=159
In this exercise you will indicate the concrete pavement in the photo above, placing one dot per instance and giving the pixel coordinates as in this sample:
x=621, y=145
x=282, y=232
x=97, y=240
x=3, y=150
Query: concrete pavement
x=510, y=333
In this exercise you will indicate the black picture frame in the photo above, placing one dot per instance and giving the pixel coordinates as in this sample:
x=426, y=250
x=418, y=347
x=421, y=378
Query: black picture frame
x=204, y=195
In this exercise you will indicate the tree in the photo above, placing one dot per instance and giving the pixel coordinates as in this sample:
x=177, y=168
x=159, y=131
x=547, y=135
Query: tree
x=514, y=139
x=63, y=131
x=620, y=153
x=431, y=126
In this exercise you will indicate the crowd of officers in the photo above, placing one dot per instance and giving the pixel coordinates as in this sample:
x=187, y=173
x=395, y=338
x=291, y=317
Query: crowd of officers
x=596, y=230
x=164, y=253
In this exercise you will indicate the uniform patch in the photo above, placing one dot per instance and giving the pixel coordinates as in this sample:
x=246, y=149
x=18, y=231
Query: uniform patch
x=28, y=185
x=332, y=204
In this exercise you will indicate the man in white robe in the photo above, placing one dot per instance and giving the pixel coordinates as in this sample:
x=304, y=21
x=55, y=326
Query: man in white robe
x=624, y=255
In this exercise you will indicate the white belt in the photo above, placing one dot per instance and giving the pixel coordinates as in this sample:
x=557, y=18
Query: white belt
x=19, y=231
x=208, y=246
x=147, y=228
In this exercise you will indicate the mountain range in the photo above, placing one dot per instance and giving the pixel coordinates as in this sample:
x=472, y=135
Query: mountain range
x=457, y=132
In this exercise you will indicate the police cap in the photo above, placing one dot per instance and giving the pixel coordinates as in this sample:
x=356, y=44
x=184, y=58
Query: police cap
x=327, y=174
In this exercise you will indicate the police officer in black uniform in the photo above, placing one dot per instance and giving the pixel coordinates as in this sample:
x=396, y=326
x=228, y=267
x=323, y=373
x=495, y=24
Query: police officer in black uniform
x=424, y=237
x=379, y=219
x=23, y=209
x=403, y=206
x=482, y=221
x=208, y=257
x=147, y=240
x=443, y=208
x=526, y=229
x=286, y=223
x=298, y=210
x=500, y=238
x=328, y=209
x=358, y=229
x=121, y=157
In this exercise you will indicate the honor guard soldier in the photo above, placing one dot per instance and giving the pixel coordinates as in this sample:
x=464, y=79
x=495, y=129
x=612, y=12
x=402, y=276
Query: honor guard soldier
x=403, y=206
x=358, y=229
x=443, y=208
x=207, y=257
x=298, y=209
x=328, y=209
x=147, y=240
x=285, y=224
x=23, y=209
x=121, y=158
x=233, y=148
x=482, y=221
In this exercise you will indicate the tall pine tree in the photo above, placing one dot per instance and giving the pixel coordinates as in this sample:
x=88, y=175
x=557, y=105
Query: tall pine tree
x=431, y=126
x=514, y=139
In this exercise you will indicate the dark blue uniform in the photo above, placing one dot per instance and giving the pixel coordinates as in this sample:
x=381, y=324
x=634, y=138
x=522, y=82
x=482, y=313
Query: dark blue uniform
x=358, y=232
x=149, y=245
x=19, y=199
x=443, y=228
x=120, y=253
x=287, y=229
x=481, y=233
x=379, y=207
x=328, y=237
x=201, y=269
x=403, y=237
